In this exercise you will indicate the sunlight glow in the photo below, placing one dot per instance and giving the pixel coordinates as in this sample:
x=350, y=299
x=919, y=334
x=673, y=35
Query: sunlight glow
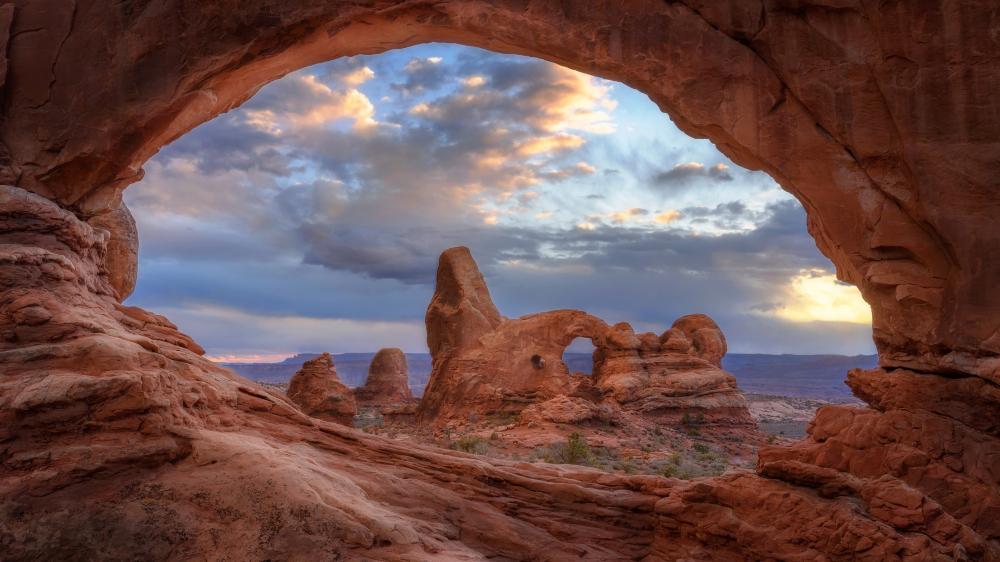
x=252, y=358
x=815, y=295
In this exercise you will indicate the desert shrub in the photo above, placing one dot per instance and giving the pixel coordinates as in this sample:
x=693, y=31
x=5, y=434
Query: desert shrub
x=574, y=450
x=577, y=450
x=700, y=448
x=471, y=444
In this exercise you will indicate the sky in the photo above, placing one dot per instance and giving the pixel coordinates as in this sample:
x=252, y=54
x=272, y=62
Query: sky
x=311, y=218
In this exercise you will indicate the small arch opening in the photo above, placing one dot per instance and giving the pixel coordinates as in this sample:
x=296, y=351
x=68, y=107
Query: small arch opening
x=579, y=357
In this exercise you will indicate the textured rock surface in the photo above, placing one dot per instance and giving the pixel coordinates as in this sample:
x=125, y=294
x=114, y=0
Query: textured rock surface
x=118, y=441
x=484, y=372
x=122, y=257
x=387, y=387
x=317, y=390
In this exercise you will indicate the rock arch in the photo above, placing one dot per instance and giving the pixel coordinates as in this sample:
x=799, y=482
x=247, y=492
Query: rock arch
x=829, y=102
x=880, y=117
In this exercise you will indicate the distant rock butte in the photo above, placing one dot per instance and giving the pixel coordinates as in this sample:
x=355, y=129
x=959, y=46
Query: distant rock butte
x=501, y=366
x=317, y=389
x=387, y=387
x=120, y=441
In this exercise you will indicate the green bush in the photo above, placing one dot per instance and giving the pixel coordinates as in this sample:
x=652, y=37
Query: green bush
x=577, y=451
x=574, y=451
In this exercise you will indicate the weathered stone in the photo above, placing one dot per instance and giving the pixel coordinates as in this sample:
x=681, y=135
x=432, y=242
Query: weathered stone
x=387, y=388
x=317, y=389
x=519, y=362
x=122, y=258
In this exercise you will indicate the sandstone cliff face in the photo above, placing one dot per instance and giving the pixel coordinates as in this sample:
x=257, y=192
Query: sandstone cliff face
x=317, y=390
x=518, y=362
x=118, y=441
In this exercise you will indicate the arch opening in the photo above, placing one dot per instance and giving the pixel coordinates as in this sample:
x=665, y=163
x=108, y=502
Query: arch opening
x=579, y=356
x=340, y=171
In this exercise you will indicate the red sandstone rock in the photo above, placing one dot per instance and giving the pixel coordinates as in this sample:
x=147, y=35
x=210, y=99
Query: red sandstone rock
x=122, y=257
x=707, y=340
x=570, y=410
x=519, y=362
x=387, y=387
x=119, y=441
x=317, y=389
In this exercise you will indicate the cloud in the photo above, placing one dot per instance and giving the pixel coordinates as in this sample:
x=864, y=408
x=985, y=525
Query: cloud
x=304, y=99
x=239, y=333
x=549, y=144
x=689, y=171
x=423, y=74
x=627, y=215
x=667, y=217
x=816, y=295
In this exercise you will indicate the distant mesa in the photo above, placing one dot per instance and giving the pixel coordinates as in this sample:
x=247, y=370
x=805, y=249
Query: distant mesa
x=486, y=364
x=317, y=390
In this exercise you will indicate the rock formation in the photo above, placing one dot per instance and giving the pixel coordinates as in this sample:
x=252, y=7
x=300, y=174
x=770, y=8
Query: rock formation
x=500, y=366
x=672, y=376
x=119, y=441
x=317, y=390
x=387, y=388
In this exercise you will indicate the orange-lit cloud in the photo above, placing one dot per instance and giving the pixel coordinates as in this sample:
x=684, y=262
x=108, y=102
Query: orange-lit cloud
x=667, y=217
x=627, y=215
x=549, y=143
x=474, y=81
x=573, y=100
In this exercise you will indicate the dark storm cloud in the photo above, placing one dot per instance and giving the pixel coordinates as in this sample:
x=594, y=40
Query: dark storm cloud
x=689, y=171
x=423, y=74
